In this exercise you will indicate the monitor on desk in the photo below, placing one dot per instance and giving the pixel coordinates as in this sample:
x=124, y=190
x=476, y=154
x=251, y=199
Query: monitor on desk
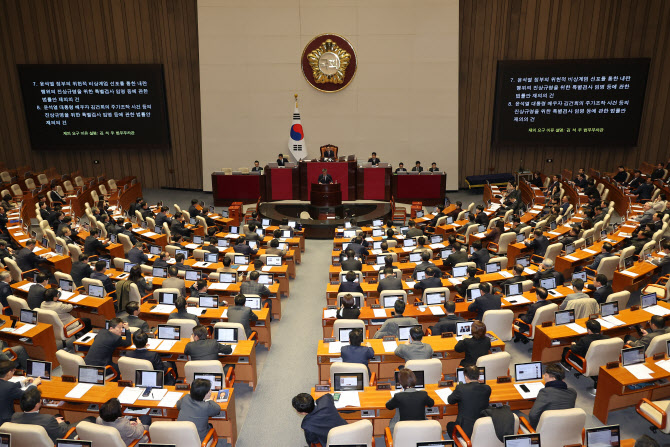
x=182, y=251
x=208, y=301
x=378, y=232
x=548, y=283
x=433, y=298
x=265, y=222
x=527, y=371
x=419, y=213
x=450, y=220
x=226, y=334
x=460, y=374
x=59, y=249
x=605, y=436
x=192, y=221
x=273, y=261
x=287, y=234
x=410, y=242
x=628, y=262
x=91, y=374
x=564, y=317
x=253, y=302
x=348, y=381
x=389, y=300
x=471, y=294
x=403, y=332
x=266, y=279
x=433, y=444
x=212, y=258
x=38, y=368
x=228, y=277
x=459, y=272
x=381, y=259
x=608, y=309
x=167, y=298
x=493, y=267
x=513, y=289
x=344, y=334
x=357, y=301
x=415, y=257
x=523, y=261
x=45, y=242
x=570, y=249
x=145, y=378
x=158, y=229
x=647, y=300
x=127, y=266
x=552, y=226
x=348, y=234
x=159, y=272
x=377, y=222
x=632, y=356
x=197, y=240
x=75, y=443
x=421, y=275
x=241, y=260
x=154, y=250
x=420, y=380
x=168, y=332
x=436, y=239
x=143, y=225
x=404, y=230
x=96, y=291
x=444, y=254
x=192, y=275
x=463, y=328
x=579, y=275
x=223, y=243
x=529, y=440
x=215, y=381
x=28, y=316
x=291, y=223
x=66, y=285
x=225, y=213
x=107, y=261
x=6, y=440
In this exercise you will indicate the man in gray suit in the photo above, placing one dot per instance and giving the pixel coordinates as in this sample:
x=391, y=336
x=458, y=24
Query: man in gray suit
x=252, y=287
x=657, y=325
x=182, y=314
x=390, y=326
x=647, y=215
x=413, y=230
x=577, y=286
x=554, y=396
x=30, y=403
x=423, y=265
x=415, y=349
x=239, y=313
x=390, y=281
x=202, y=348
x=174, y=282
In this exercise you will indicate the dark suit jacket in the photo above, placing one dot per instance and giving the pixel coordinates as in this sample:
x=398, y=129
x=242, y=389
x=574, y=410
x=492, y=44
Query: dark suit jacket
x=389, y=283
x=473, y=349
x=582, y=345
x=144, y=354
x=645, y=191
x=351, y=264
x=552, y=397
x=328, y=154
x=179, y=228
x=463, y=287
x=663, y=263
x=484, y=303
x=35, y=296
x=374, y=161
x=104, y=344
x=446, y=324
x=428, y=283
x=244, y=249
x=357, y=354
x=80, y=270
x=481, y=257
x=106, y=281
x=131, y=236
x=348, y=314
x=602, y=293
x=411, y=405
x=50, y=424
x=206, y=349
x=92, y=245
x=183, y=316
x=26, y=259
x=5, y=291
x=242, y=315
x=548, y=274
x=327, y=179
x=282, y=161
x=532, y=309
x=456, y=258
x=318, y=423
x=358, y=249
x=137, y=256
x=10, y=391
x=539, y=245
x=134, y=321
x=347, y=286
x=472, y=398
x=512, y=280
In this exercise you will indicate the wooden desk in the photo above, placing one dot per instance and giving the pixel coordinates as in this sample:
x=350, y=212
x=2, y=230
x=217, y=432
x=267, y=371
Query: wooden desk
x=545, y=352
x=386, y=362
x=74, y=410
x=643, y=271
x=39, y=342
x=325, y=195
x=56, y=262
x=99, y=310
x=243, y=358
x=212, y=316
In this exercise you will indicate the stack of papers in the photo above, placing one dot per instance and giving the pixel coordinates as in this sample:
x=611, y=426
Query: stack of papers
x=242, y=268
x=149, y=234
x=436, y=310
x=163, y=308
x=436, y=246
x=129, y=395
x=191, y=246
x=640, y=371
x=334, y=347
x=390, y=346
x=379, y=313
x=25, y=287
x=266, y=268
x=218, y=286
x=505, y=274
x=529, y=271
x=533, y=389
x=589, y=251
x=166, y=345
x=348, y=399
x=443, y=393
x=330, y=313
x=79, y=390
x=657, y=310
x=153, y=343
x=64, y=296
x=517, y=299
x=79, y=298
x=577, y=328
x=170, y=399
x=410, y=284
x=224, y=314
x=195, y=310
x=456, y=281
x=201, y=264
x=610, y=322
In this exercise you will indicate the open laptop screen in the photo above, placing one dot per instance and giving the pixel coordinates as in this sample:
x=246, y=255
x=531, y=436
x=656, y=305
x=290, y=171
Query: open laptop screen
x=38, y=368
x=420, y=380
x=632, y=356
x=168, y=332
x=460, y=374
x=229, y=278
x=403, y=332
x=191, y=275
x=159, y=272
x=435, y=298
x=513, y=289
x=607, y=309
x=527, y=371
x=148, y=378
x=529, y=440
x=648, y=300
x=96, y=291
x=208, y=301
x=606, y=436
x=565, y=317
x=389, y=300
x=348, y=381
x=91, y=374
x=548, y=283
x=226, y=334
x=215, y=380
x=464, y=328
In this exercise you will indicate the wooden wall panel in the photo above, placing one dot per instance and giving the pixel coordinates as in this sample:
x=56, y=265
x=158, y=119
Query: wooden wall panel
x=493, y=30
x=106, y=32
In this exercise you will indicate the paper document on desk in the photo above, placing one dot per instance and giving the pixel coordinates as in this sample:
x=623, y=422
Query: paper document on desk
x=224, y=314
x=64, y=296
x=166, y=345
x=334, y=347
x=390, y=346
x=26, y=287
x=436, y=246
x=634, y=275
x=410, y=284
x=436, y=310
x=456, y=281
x=571, y=258
x=612, y=320
x=407, y=249
x=194, y=310
x=163, y=309
x=79, y=298
x=517, y=299
x=330, y=313
x=480, y=234
x=129, y=395
x=394, y=392
x=555, y=233
x=242, y=268
x=348, y=399
x=21, y=381
x=149, y=234
x=79, y=390
x=589, y=251
x=23, y=329
x=640, y=371
x=443, y=393
x=665, y=364
x=218, y=286
x=170, y=399
x=657, y=310
x=620, y=234
x=577, y=328
x=379, y=313
x=376, y=252
x=266, y=268
x=528, y=271
x=376, y=267
x=533, y=389
x=605, y=324
x=191, y=246
x=505, y=274
x=156, y=394
x=153, y=343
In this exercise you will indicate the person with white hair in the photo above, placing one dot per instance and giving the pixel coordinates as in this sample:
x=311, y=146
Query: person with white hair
x=547, y=271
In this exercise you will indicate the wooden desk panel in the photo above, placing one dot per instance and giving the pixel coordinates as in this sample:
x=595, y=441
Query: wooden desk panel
x=40, y=343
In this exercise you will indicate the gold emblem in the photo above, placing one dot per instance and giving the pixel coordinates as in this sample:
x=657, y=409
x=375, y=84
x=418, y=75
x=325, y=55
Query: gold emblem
x=329, y=63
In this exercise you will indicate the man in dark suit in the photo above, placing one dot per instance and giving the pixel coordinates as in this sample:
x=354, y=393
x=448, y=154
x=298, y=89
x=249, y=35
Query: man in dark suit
x=162, y=260
x=413, y=230
x=182, y=313
x=635, y=180
x=92, y=245
x=11, y=391
x=257, y=166
x=472, y=398
x=518, y=276
x=390, y=281
x=601, y=287
x=554, y=396
x=351, y=263
x=457, y=256
x=179, y=226
x=517, y=226
x=99, y=274
x=161, y=217
x=546, y=270
x=431, y=280
x=133, y=320
x=141, y=352
x=358, y=246
x=657, y=327
x=485, y=302
x=641, y=240
x=127, y=230
x=664, y=262
x=400, y=168
x=30, y=403
x=349, y=285
x=471, y=279
x=80, y=270
x=5, y=252
x=373, y=159
x=239, y=313
x=328, y=152
x=252, y=287
x=423, y=265
x=325, y=178
x=621, y=175
x=251, y=235
x=241, y=247
x=26, y=259
x=480, y=256
x=136, y=255
x=5, y=291
x=106, y=342
x=480, y=216
x=202, y=348
x=581, y=346
x=645, y=190
x=319, y=417
x=448, y=322
x=281, y=160
x=573, y=235
x=417, y=166
x=539, y=244
x=659, y=172
x=37, y=291
x=605, y=252
x=527, y=318
x=434, y=168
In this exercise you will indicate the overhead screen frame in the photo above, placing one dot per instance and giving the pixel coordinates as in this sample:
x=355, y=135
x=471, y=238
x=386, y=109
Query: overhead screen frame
x=504, y=66
x=161, y=126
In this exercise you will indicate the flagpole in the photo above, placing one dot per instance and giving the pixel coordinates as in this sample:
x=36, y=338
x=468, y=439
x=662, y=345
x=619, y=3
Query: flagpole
x=296, y=99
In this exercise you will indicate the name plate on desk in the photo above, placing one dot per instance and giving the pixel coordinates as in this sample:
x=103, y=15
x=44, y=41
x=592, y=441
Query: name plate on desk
x=383, y=386
x=636, y=307
x=71, y=379
x=329, y=340
x=418, y=303
x=182, y=386
x=375, y=306
x=445, y=383
x=323, y=388
x=447, y=335
x=504, y=379
x=125, y=383
x=547, y=324
x=612, y=365
x=388, y=338
x=659, y=356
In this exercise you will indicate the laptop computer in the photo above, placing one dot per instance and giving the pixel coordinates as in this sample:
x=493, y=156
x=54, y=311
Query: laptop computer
x=28, y=316
x=415, y=257
x=529, y=440
x=159, y=272
x=403, y=332
x=59, y=249
x=548, y=283
x=211, y=257
x=266, y=279
x=460, y=374
x=411, y=242
x=632, y=356
x=228, y=277
x=463, y=328
x=168, y=332
x=520, y=237
x=215, y=380
x=253, y=302
x=579, y=275
x=198, y=240
x=389, y=300
x=459, y=272
x=608, y=309
x=273, y=261
x=208, y=301
x=421, y=275
x=420, y=380
x=570, y=249
x=471, y=294
x=96, y=291
x=565, y=317
x=127, y=266
x=145, y=378
x=223, y=243
x=523, y=261
x=91, y=374
x=6, y=440
x=433, y=298
x=444, y=254
x=348, y=234
x=647, y=300
x=436, y=239
x=183, y=252
x=226, y=334
x=166, y=298
x=377, y=222
x=38, y=368
x=241, y=260
x=493, y=267
x=605, y=436
x=72, y=443
x=357, y=301
x=343, y=334
x=192, y=275
x=514, y=289
x=66, y=285
x=527, y=371
x=265, y=222
x=348, y=382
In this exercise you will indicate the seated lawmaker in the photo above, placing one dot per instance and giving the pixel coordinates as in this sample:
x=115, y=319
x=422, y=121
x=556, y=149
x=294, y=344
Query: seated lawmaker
x=581, y=346
x=373, y=159
x=354, y=352
x=350, y=284
x=417, y=166
x=448, y=322
x=257, y=167
x=434, y=168
x=390, y=326
x=348, y=309
x=657, y=327
x=318, y=416
x=409, y=403
x=414, y=349
x=554, y=396
x=400, y=168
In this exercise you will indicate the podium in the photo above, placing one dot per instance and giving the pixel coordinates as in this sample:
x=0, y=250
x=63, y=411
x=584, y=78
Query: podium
x=325, y=195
